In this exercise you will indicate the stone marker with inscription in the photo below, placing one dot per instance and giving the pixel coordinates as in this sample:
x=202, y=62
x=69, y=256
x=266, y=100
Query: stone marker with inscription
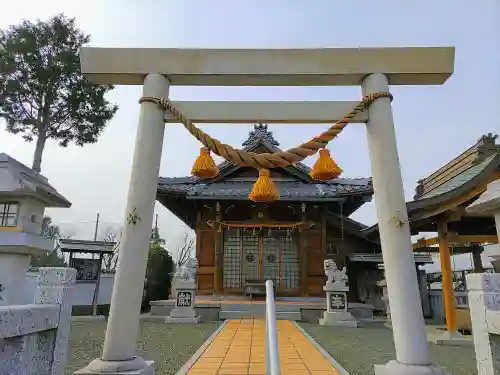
x=484, y=304
x=336, y=289
x=184, y=281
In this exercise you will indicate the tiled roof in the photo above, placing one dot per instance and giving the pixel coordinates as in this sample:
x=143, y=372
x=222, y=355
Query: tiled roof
x=289, y=190
x=456, y=185
x=460, y=179
x=16, y=178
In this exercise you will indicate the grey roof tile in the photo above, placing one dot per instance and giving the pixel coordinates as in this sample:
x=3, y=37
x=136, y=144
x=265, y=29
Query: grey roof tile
x=459, y=180
x=19, y=179
x=241, y=189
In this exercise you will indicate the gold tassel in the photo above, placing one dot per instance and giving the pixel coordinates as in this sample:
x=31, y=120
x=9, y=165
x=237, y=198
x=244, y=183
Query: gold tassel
x=204, y=165
x=325, y=167
x=264, y=189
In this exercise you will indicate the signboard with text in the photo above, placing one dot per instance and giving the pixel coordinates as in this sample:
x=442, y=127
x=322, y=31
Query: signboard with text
x=86, y=269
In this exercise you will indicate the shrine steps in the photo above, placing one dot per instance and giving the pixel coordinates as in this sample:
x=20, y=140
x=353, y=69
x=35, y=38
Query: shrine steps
x=258, y=310
x=294, y=309
x=284, y=315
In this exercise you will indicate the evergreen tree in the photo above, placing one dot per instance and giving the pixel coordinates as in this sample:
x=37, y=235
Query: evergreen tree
x=43, y=93
x=159, y=271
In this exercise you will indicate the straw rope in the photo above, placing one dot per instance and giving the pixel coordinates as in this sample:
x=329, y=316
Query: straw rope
x=267, y=160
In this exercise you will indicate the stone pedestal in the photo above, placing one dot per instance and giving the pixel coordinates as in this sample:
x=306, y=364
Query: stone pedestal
x=336, y=313
x=397, y=368
x=16, y=249
x=184, y=311
x=134, y=366
x=452, y=339
x=13, y=269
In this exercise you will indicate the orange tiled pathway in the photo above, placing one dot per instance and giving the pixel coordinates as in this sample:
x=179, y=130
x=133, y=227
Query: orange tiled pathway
x=239, y=349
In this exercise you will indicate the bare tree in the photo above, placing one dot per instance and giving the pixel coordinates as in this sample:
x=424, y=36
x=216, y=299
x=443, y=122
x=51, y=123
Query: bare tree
x=109, y=261
x=185, y=249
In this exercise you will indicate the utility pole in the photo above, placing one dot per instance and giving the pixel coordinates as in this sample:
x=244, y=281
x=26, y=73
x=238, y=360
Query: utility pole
x=95, y=298
x=96, y=227
x=156, y=221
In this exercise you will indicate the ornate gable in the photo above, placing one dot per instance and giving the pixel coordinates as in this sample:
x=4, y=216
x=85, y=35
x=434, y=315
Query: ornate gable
x=261, y=140
x=260, y=133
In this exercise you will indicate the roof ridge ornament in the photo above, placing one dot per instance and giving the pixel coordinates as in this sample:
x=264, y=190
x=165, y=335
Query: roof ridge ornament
x=260, y=132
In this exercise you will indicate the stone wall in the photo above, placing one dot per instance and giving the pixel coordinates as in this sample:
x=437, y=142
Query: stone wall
x=34, y=338
x=83, y=292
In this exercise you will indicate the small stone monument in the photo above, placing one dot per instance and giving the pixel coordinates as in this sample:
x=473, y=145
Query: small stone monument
x=385, y=298
x=184, y=282
x=336, y=289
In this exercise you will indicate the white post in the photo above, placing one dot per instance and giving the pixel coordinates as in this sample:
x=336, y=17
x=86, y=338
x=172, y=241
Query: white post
x=410, y=337
x=119, y=352
x=272, y=355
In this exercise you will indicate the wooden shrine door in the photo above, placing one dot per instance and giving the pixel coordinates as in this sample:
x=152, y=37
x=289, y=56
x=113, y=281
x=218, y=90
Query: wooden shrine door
x=250, y=254
x=280, y=261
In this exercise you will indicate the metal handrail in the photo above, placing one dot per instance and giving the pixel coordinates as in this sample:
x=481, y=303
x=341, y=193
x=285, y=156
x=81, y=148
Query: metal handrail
x=272, y=354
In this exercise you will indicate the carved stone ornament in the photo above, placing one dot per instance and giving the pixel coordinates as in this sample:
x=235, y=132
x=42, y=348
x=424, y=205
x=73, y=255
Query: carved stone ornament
x=187, y=271
x=333, y=273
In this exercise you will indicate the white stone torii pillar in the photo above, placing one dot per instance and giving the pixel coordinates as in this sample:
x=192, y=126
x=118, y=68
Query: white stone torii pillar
x=119, y=351
x=311, y=67
x=408, y=325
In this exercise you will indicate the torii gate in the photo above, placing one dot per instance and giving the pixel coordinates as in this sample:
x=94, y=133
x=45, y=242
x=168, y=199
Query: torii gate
x=372, y=68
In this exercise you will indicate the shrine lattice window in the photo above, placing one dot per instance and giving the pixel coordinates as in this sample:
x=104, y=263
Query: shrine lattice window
x=250, y=255
x=291, y=270
x=232, y=259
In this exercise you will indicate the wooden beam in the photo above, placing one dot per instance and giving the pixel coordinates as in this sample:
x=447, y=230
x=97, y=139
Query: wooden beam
x=268, y=67
x=294, y=112
x=455, y=239
x=453, y=249
x=476, y=239
x=447, y=277
x=423, y=242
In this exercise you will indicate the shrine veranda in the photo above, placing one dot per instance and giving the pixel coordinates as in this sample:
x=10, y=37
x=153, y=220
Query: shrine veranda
x=372, y=68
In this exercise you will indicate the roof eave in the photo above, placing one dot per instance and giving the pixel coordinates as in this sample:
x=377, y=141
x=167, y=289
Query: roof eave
x=439, y=199
x=288, y=199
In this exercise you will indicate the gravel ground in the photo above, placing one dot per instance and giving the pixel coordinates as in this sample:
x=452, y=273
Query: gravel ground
x=170, y=346
x=357, y=350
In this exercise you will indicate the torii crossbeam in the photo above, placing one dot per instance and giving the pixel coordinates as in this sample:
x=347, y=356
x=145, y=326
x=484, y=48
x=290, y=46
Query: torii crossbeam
x=372, y=68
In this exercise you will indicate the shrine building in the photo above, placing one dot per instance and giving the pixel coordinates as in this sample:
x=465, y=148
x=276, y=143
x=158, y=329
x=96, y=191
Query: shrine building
x=287, y=240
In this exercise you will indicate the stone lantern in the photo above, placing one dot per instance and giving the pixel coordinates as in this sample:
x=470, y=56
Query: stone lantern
x=24, y=195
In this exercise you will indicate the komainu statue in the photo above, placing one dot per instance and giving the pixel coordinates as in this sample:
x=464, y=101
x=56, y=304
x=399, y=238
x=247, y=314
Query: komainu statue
x=188, y=270
x=333, y=273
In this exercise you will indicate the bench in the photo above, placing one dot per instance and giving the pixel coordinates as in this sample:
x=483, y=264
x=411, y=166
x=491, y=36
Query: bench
x=255, y=286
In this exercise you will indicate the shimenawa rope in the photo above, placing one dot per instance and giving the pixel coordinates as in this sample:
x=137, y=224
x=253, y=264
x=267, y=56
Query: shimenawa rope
x=267, y=160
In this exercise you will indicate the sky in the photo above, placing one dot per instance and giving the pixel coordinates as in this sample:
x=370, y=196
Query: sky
x=433, y=123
